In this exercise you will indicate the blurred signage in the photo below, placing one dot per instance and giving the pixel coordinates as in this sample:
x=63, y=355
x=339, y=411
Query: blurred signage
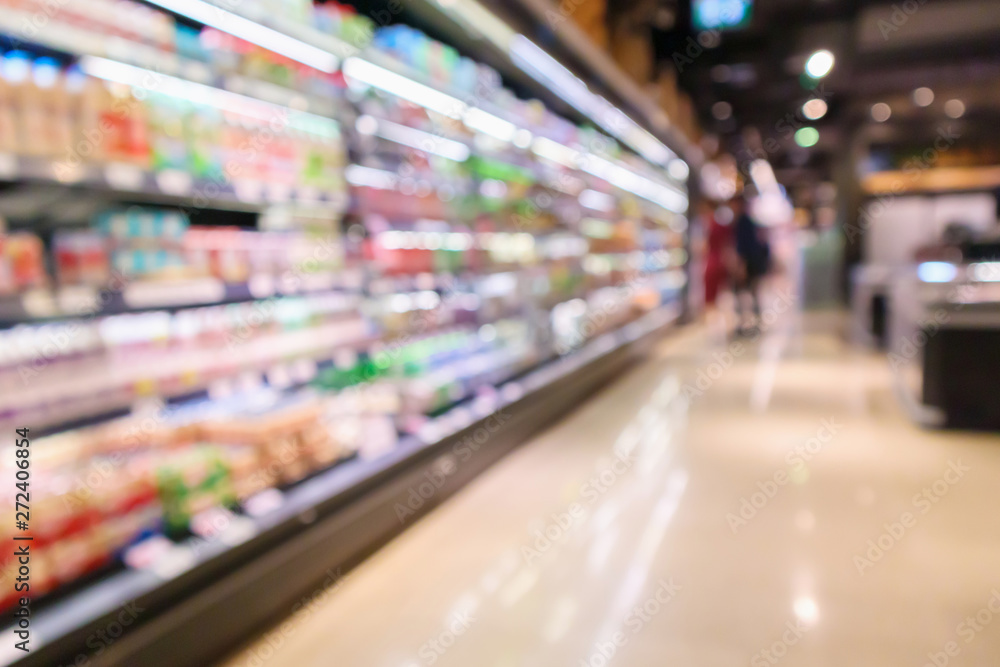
x=721, y=14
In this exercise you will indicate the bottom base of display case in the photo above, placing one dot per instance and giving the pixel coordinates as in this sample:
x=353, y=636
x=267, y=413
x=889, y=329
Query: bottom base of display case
x=218, y=595
x=960, y=369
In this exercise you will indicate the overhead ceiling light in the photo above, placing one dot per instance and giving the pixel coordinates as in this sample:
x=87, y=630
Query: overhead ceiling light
x=814, y=109
x=881, y=112
x=215, y=16
x=954, y=108
x=923, y=97
x=722, y=110
x=819, y=64
x=807, y=136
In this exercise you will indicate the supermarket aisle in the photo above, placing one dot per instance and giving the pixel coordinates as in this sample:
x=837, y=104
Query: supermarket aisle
x=783, y=511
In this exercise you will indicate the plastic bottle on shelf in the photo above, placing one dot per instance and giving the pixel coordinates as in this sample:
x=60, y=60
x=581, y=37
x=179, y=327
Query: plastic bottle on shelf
x=9, y=133
x=202, y=143
x=23, y=95
x=168, y=148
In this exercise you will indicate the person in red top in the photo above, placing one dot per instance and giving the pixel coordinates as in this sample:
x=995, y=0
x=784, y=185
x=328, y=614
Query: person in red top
x=718, y=251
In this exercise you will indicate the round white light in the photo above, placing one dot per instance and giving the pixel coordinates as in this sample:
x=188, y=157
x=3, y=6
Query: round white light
x=881, y=112
x=366, y=125
x=814, y=109
x=923, y=97
x=819, y=64
x=954, y=108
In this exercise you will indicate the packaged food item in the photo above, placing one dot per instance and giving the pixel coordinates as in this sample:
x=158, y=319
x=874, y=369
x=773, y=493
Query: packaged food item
x=144, y=242
x=168, y=144
x=81, y=258
x=22, y=262
x=217, y=251
x=288, y=441
x=191, y=481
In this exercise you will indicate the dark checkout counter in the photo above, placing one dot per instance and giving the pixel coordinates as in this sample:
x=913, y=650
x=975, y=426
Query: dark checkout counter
x=956, y=332
x=961, y=365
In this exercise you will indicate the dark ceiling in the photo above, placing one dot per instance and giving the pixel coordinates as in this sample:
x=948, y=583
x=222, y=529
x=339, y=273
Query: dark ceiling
x=884, y=51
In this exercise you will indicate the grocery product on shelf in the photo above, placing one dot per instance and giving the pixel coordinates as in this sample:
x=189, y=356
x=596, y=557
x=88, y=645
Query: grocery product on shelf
x=53, y=373
x=144, y=241
x=22, y=262
x=81, y=257
x=82, y=121
x=237, y=255
x=105, y=488
x=140, y=244
x=440, y=62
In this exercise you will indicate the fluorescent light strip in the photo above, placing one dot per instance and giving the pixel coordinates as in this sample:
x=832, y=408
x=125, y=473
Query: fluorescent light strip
x=632, y=134
x=487, y=123
x=480, y=20
x=430, y=98
x=379, y=77
x=414, y=138
x=985, y=272
x=272, y=40
x=266, y=112
x=547, y=70
x=379, y=179
x=662, y=195
x=597, y=201
x=937, y=272
x=556, y=152
x=625, y=179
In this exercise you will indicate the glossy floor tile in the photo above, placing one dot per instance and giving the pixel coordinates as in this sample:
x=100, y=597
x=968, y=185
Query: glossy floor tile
x=754, y=503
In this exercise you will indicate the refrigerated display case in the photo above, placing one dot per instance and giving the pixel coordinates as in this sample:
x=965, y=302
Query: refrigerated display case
x=218, y=408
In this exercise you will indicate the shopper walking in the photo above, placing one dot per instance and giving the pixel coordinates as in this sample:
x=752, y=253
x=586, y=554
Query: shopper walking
x=718, y=252
x=755, y=259
x=719, y=260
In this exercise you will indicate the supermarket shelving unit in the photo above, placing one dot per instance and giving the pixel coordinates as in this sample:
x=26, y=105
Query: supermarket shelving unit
x=264, y=560
x=205, y=596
